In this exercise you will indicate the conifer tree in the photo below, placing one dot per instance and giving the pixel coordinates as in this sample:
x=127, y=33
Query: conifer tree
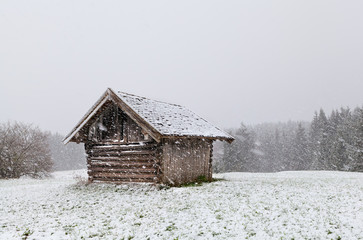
x=357, y=155
x=276, y=152
x=239, y=156
x=246, y=155
x=314, y=136
x=230, y=161
x=319, y=141
x=339, y=138
x=300, y=152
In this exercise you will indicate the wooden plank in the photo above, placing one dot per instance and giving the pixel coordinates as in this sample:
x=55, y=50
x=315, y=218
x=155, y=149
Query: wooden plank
x=147, y=150
x=210, y=171
x=122, y=176
x=194, y=162
x=123, y=158
x=166, y=161
x=123, y=147
x=175, y=163
x=122, y=164
x=122, y=153
x=122, y=181
x=183, y=151
x=122, y=170
x=118, y=161
x=159, y=161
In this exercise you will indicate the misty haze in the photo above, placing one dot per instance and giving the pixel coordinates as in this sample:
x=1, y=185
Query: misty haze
x=181, y=120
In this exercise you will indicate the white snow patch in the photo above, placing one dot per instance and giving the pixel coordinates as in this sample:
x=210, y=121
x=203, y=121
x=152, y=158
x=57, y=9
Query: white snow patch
x=300, y=205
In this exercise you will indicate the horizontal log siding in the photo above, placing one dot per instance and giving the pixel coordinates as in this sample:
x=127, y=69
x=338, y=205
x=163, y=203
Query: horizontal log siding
x=122, y=163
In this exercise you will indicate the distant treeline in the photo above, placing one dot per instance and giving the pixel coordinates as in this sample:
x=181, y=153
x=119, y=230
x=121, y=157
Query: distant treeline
x=66, y=157
x=333, y=142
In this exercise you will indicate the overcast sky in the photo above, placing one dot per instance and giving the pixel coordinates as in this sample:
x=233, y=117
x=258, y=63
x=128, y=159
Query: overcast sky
x=228, y=61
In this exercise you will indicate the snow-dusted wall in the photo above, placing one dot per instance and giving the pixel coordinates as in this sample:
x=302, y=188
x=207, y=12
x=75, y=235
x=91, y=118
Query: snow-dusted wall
x=184, y=160
x=128, y=157
x=129, y=154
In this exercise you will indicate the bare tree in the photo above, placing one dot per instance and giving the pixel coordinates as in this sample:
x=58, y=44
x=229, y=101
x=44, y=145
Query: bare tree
x=24, y=150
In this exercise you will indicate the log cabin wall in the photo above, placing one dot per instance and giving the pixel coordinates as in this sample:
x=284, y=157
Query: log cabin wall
x=122, y=163
x=129, y=156
x=184, y=160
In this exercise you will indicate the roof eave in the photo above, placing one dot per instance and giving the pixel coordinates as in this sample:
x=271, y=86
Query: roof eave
x=227, y=139
x=104, y=98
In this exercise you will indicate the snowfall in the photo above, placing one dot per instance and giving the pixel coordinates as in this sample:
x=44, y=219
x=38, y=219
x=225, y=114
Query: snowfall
x=285, y=205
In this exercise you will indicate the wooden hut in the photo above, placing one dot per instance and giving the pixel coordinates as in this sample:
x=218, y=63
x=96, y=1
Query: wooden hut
x=135, y=139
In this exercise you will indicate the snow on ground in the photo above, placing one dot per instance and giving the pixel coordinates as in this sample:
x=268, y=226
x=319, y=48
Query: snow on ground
x=286, y=205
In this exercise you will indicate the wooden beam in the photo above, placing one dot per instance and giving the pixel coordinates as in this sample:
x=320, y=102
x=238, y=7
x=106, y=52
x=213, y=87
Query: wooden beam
x=135, y=117
x=122, y=170
x=101, y=101
x=122, y=176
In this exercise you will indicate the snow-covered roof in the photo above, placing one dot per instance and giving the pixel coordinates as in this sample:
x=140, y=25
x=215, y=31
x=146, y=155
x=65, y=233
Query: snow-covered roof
x=171, y=119
x=160, y=119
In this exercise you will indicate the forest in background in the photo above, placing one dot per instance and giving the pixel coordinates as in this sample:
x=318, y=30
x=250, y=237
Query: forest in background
x=333, y=142
x=328, y=142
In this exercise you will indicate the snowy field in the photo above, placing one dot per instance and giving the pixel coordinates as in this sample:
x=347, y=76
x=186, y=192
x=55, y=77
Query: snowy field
x=286, y=205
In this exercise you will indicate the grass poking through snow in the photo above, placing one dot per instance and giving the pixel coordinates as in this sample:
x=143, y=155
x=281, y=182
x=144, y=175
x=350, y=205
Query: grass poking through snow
x=287, y=205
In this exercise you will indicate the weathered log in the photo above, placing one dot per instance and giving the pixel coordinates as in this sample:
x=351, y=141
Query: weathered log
x=122, y=163
x=122, y=170
x=122, y=158
x=122, y=181
x=122, y=153
x=121, y=176
x=123, y=147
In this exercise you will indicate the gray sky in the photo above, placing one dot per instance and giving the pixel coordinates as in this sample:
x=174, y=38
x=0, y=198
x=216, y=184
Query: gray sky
x=228, y=61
